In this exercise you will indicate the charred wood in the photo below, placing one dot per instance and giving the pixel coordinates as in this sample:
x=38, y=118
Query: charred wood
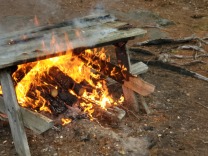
x=56, y=105
x=161, y=41
x=67, y=97
x=58, y=90
x=119, y=74
x=177, y=69
x=20, y=73
x=65, y=81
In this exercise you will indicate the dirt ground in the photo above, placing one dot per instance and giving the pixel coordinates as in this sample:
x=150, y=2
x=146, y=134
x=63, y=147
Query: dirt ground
x=178, y=124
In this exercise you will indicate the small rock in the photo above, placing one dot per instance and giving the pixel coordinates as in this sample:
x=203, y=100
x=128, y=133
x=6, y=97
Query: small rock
x=4, y=142
x=122, y=152
x=85, y=138
x=164, y=22
x=187, y=94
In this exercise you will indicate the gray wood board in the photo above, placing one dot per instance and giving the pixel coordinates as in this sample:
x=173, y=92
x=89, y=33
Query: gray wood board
x=31, y=49
x=32, y=120
x=13, y=112
x=86, y=21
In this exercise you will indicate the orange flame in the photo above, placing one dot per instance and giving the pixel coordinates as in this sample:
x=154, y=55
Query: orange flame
x=66, y=121
x=74, y=68
x=1, y=91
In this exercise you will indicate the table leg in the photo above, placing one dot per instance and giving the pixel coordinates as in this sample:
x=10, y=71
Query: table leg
x=123, y=59
x=13, y=113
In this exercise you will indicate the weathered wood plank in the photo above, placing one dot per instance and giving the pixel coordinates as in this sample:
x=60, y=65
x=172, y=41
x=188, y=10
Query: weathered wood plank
x=94, y=36
x=36, y=35
x=32, y=120
x=138, y=68
x=14, y=114
x=82, y=22
x=139, y=86
x=122, y=55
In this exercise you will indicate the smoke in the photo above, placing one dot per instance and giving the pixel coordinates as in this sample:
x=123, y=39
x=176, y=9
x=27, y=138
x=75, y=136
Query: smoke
x=47, y=9
x=1, y=30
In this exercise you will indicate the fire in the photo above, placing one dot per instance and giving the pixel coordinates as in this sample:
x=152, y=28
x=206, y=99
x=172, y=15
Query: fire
x=66, y=121
x=74, y=67
x=0, y=91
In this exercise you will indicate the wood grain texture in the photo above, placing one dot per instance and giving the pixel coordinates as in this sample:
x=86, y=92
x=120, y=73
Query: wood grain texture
x=15, y=50
x=14, y=114
x=32, y=120
x=122, y=55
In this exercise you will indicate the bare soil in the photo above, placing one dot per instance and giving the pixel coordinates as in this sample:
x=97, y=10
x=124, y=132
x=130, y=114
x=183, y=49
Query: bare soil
x=178, y=124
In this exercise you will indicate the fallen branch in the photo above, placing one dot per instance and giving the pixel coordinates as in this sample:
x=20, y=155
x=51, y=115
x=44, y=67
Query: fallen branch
x=192, y=47
x=171, y=41
x=193, y=63
x=164, y=57
x=175, y=68
x=142, y=51
x=151, y=26
x=202, y=105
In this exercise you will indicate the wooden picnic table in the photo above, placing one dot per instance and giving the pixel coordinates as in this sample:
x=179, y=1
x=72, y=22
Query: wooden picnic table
x=27, y=45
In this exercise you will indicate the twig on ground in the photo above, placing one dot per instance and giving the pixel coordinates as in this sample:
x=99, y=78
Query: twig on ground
x=168, y=56
x=192, y=47
x=151, y=26
x=193, y=63
x=130, y=112
x=205, y=142
x=143, y=51
x=202, y=105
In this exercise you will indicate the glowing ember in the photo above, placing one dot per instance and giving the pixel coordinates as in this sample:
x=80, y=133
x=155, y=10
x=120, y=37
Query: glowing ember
x=0, y=91
x=65, y=121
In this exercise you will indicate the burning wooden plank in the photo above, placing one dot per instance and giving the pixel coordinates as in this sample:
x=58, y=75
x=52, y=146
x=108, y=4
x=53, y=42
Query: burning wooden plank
x=21, y=72
x=32, y=120
x=136, y=69
x=119, y=74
